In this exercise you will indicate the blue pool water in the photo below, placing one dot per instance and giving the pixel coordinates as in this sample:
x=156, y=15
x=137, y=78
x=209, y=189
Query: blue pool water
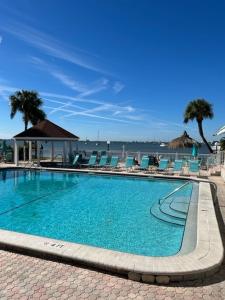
x=111, y=212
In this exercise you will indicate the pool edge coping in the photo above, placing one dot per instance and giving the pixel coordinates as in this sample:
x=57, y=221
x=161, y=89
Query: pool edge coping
x=203, y=261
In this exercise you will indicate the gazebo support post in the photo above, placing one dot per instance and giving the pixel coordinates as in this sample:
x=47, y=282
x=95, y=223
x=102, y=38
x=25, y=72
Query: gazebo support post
x=52, y=152
x=30, y=151
x=64, y=151
x=38, y=153
x=16, y=160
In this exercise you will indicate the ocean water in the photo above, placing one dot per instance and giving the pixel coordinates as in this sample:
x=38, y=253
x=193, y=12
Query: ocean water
x=118, y=147
x=111, y=212
x=134, y=146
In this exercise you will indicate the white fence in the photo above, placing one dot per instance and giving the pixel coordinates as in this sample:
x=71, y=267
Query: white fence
x=206, y=160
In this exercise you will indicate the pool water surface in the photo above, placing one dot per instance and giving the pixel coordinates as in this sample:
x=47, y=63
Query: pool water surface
x=107, y=211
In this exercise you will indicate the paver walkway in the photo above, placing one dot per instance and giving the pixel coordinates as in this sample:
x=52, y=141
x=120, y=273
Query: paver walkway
x=24, y=277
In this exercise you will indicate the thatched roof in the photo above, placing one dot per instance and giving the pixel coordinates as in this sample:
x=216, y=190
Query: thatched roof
x=46, y=130
x=183, y=141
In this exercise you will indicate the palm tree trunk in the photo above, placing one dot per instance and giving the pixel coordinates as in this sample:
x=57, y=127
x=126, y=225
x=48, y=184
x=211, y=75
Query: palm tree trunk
x=202, y=136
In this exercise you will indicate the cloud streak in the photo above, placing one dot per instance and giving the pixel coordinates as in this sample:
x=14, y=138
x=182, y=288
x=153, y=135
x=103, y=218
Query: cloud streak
x=90, y=108
x=51, y=46
x=118, y=87
x=83, y=89
x=68, y=107
x=86, y=114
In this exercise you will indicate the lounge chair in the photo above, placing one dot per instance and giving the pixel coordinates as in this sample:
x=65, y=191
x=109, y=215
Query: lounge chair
x=129, y=162
x=91, y=162
x=163, y=165
x=113, y=162
x=178, y=166
x=103, y=162
x=194, y=167
x=144, y=162
x=76, y=160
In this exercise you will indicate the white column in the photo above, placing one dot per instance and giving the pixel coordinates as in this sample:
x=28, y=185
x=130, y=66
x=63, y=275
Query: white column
x=52, y=152
x=64, y=151
x=38, y=153
x=16, y=160
x=30, y=151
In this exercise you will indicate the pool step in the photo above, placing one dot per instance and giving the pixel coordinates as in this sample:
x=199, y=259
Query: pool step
x=159, y=214
x=166, y=207
x=181, y=204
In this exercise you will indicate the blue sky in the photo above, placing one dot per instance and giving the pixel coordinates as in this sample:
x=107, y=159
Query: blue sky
x=121, y=67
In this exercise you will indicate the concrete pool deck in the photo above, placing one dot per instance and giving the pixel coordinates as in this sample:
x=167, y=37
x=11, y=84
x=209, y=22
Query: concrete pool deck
x=23, y=277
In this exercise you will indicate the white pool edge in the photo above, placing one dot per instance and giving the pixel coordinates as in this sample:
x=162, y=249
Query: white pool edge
x=202, y=262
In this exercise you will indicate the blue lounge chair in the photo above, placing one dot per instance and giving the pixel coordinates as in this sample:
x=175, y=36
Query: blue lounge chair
x=76, y=160
x=103, y=161
x=163, y=165
x=194, y=167
x=114, y=162
x=91, y=162
x=129, y=162
x=178, y=166
x=144, y=162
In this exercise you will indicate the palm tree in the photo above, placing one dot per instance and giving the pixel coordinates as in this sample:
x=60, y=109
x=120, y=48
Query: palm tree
x=199, y=110
x=29, y=104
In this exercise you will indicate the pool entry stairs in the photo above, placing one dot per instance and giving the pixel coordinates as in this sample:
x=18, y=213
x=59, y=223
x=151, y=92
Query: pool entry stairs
x=172, y=208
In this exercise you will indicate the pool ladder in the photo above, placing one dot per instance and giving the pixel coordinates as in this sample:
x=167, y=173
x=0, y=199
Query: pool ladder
x=172, y=209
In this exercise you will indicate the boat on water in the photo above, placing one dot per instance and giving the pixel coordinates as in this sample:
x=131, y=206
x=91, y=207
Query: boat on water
x=162, y=145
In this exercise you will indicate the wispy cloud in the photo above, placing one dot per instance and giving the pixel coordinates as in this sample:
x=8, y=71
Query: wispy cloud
x=96, y=87
x=68, y=107
x=69, y=82
x=118, y=87
x=90, y=108
x=83, y=89
x=86, y=114
x=1, y=39
x=51, y=46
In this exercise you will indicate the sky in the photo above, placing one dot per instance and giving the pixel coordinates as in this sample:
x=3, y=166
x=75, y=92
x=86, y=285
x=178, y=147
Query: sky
x=124, y=69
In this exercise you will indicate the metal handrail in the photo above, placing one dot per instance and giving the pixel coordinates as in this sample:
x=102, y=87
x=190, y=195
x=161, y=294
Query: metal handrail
x=173, y=192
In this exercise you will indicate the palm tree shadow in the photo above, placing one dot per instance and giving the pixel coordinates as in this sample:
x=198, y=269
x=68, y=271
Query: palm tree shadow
x=220, y=275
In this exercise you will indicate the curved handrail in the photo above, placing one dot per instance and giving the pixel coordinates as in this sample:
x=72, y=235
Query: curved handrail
x=173, y=192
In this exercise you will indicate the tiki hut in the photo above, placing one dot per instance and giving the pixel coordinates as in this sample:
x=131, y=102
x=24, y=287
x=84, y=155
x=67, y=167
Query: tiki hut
x=183, y=141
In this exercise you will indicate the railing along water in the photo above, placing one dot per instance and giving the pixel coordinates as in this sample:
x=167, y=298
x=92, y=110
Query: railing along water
x=206, y=160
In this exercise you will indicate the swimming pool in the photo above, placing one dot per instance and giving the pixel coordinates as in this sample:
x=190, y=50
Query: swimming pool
x=106, y=211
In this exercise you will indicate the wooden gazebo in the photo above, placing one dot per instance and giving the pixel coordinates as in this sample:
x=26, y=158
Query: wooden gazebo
x=44, y=131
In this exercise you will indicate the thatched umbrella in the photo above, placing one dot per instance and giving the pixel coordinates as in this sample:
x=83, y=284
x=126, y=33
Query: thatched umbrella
x=183, y=141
